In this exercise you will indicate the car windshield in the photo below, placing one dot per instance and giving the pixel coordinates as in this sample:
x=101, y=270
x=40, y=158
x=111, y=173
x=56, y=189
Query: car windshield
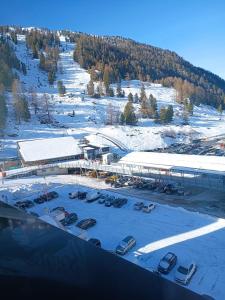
x=183, y=270
x=168, y=257
x=123, y=244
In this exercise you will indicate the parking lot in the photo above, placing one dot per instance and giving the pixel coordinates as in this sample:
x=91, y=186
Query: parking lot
x=191, y=236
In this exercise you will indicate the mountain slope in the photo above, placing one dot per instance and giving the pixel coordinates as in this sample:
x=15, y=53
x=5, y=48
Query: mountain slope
x=128, y=59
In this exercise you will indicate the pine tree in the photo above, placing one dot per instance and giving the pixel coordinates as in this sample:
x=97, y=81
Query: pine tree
x=90, y=88
x=169, y=115
x=3, y=111
x=153, y=106
x=136, y=98
x=111, y=92
x=166, y=114
x=25, y=112
x=119, y=90
x=220, y=110
x=61, y=88
x=143, y=96
x=130, y=97
x=106, y=79
x=51, y=77
x=129, y=114
x=42, y=61
x=122, y=119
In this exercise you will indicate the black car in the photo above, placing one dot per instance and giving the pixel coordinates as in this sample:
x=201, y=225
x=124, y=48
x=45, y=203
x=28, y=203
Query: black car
x=109, y=201
x=53, y=195
x=24, y=204
x=86, y=223
x=119, y=202
x=82, y=195
x=70, y=219
x=167, y=263
x=95, y=242
x=39, y=200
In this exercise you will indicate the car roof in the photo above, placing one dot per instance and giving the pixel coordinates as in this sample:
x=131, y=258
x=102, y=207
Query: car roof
x=128, y=238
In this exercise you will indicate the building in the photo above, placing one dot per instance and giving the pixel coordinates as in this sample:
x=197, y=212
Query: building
x=93, y=151
x=47, y=151
x=199, y=170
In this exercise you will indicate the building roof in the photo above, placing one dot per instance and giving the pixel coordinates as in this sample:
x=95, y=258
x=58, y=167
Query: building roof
x=176, y=162
x=46, y=149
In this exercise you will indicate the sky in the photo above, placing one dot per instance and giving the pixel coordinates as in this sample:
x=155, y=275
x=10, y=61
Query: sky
x=195, y=29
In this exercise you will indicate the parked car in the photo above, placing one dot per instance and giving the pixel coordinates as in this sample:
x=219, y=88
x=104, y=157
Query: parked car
x=109, y=202
x=73, y=195
x=46, y=197
x=139, y=205
x=86, y=223
x=53, y=195
x=95, y=242
x=167, y=263
x=39, y=200
x=125, y=245
x=101, y=200
x=119, y=202
x=82, y=195
x=93, y=197
x=24, y=204
x=148, y=208
x=70, y=219
x=60, y=208
x=184, y=273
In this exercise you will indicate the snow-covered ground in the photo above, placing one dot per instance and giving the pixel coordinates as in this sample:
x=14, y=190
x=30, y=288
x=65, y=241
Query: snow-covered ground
x=191, y=236
x=90, y=114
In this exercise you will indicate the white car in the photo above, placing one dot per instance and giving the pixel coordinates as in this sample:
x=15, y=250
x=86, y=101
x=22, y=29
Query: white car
x=185, y=272
x=148, y=208
x=73, y=195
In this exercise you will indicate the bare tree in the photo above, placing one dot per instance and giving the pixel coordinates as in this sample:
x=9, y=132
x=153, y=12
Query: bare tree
x=112, y=114
x=34, y=100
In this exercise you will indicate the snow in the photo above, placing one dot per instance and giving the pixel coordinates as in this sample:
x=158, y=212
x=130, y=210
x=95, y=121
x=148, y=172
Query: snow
x=42, y=149
x=190, y=235
x=90, y=114
x=175, y=161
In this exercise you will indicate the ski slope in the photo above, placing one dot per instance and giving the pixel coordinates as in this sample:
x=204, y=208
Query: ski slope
x=90, y=114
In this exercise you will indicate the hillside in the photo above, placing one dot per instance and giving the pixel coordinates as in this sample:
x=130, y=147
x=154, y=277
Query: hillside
x=90, y=115
x=127, y=59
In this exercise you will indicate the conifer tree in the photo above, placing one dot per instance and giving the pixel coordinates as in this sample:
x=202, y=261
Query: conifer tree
x=106, y=79
x=136, y=98
x=119, y=90
x=129, y=114
x=130, y=97
x=61, y=88
x=143, y=96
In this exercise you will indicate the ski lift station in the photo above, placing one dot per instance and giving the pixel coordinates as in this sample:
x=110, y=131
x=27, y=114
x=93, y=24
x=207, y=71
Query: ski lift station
x=65, y=155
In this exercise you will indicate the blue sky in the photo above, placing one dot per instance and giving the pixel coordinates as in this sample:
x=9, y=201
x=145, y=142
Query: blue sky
x=195, y=29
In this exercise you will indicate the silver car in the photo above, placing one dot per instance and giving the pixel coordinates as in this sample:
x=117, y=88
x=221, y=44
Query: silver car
x=125, y=245
x=184, y=273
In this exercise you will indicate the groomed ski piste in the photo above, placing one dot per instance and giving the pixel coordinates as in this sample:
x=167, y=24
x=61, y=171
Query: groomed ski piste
x=191, y=236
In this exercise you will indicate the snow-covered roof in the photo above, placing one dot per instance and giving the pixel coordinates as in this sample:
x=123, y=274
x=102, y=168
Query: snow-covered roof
x=170, y=161
x=44, y=149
